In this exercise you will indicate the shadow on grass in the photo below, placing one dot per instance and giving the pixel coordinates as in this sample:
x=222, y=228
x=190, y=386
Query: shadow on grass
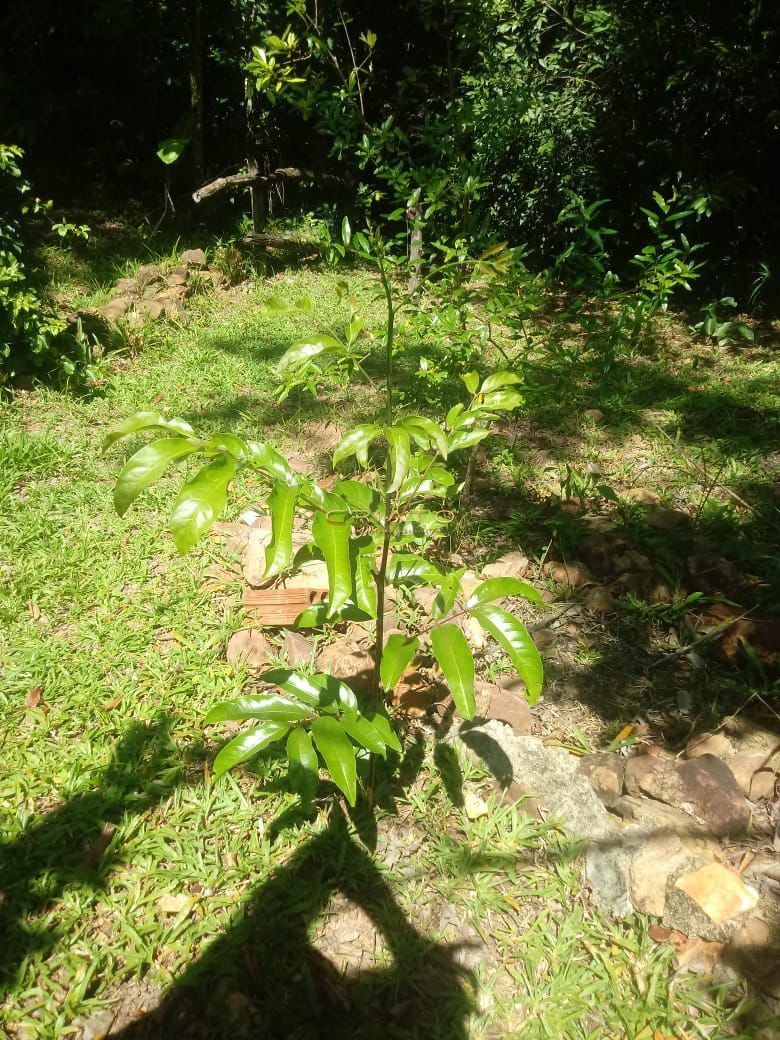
x=72, y=844
x=265, y=978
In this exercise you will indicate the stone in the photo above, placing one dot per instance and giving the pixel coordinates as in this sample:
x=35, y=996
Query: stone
x=719, y=892
x=193, y=258
x=599, y=600
x=574, y=574
x=660, y=856
x=174, y=280
x=762, y=785
x=642, y=496
x=97, y=1026
x=698, y=956
x=510, y=565
x=656, y=818
x=117, y=308
x=684, y=913
x=598, y=550
x=743, y=767
x=664, y=519
x=312, y=575
x=255, y=539
x=424, y=597
x=298, y=648
x=703, y=787
x=750, y=738
x=152, y=309
x=147, y=275
x=631, y=560
x=605, y=773
x=248, y=648
x=510, y=708
x=468, y=583
x=594, y=415
x=414, y=694
x=474, y=805
x=549, y=773
x=349, y=662
x=126, y=287
x=519, y=795
x=709, y=744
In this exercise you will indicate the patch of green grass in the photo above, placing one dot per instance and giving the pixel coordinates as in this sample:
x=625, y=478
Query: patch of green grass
x=122, y=860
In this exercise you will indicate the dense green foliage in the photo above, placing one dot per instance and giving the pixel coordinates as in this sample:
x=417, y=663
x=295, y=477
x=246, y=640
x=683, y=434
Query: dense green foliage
x=487, y=112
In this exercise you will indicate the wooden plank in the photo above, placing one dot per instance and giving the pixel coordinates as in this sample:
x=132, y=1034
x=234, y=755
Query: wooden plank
x=280, y=607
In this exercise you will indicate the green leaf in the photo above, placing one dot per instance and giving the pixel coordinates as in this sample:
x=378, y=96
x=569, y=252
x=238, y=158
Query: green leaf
x=453, y=654
x=408, y=569
x=503, y=400
x=144, y=421
x=258, y=706
x=381, y=723
x=398, y=439
x=246, y=745
x=500, y=588
x=499, y=380
x=302, y=764
x=346, y=231
x=200, y=502
x=359, y=496
x=330, y=530
x=264, y=457
x=364, y=732
x=362, y=555
x=467, y=438
x=171, y=149
x=471, y=379
x=449, y=589
x=301, y=353
x=278, y=553
x=318, y=690
x=336, y=748
x=518, y=644
x=227, y=442
x=356, y=443
x=277, y=305
x=146, y=466
x=398, y=652
x=453, y=413
x=431, y=431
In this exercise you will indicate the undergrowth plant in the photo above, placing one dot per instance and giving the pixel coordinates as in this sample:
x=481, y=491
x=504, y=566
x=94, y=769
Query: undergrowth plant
x=373, y=530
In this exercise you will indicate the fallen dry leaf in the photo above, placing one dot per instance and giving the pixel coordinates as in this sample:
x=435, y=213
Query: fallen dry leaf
x=34, y=610
x=94, y=853
x=181, y=903
x=113, y=703
x=33, y=698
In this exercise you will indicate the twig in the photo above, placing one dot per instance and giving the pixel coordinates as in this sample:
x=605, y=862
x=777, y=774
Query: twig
x=701, y=469
x=716, y=633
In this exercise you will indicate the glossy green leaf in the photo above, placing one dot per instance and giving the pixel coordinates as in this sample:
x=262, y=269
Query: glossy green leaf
x=430, y=430
x=453, y=414
x=278, y=553
x=302, y=764
x=247, y=745
x=318, y=690
x=359, y=496
x=362, y=555
x=346, y=231
x=499, y=380
x=398, y=439
x=277, y=305
x=471, y=380
x=503, y=400
x=500, y=588
x=227, y=442
x=381, y=723
x=301, y=353
x=364, y=732
x=516, y=640
x=200, y=502
x=356, y=443
x=264, y=457
x=146, y=466
x=145, y=421
x=331, y=531
x=336, y=749
x=398, y=652
x=172, y=149
x=408, y=569
x=467, y=438
x=453, y=653
x=258, y=706
x=449, y=590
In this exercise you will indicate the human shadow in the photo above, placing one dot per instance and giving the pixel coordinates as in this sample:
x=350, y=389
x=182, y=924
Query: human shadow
x=77, y=842
x=266, y=976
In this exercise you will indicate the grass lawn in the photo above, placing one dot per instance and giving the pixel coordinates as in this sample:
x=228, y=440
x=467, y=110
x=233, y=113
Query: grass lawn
x=128, y=876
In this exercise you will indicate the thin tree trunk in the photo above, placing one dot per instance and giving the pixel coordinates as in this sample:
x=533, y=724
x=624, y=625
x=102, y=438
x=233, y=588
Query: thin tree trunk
x=195, y=48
